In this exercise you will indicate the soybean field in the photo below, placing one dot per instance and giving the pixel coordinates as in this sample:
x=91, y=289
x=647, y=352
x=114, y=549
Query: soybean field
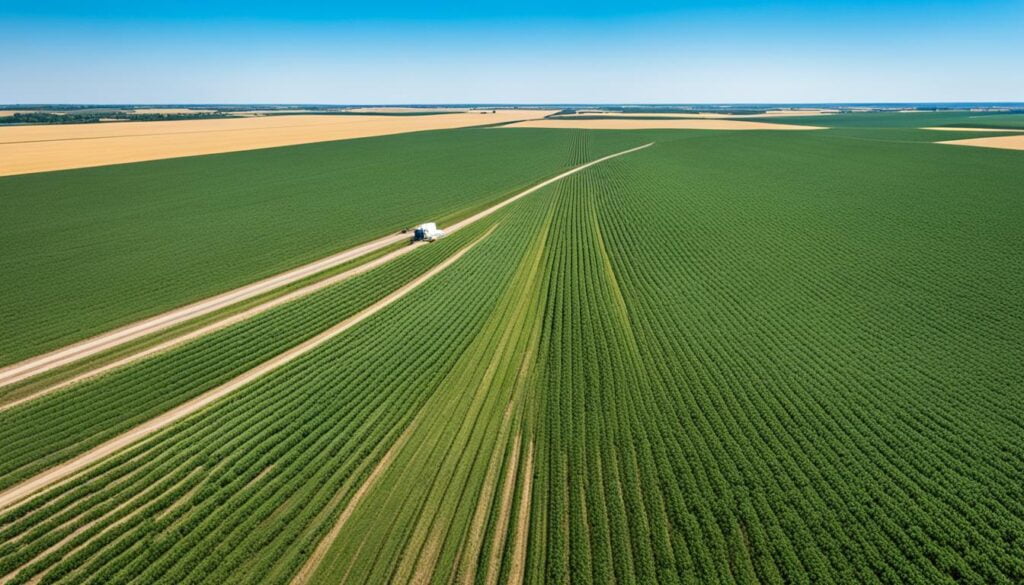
x=725, y=357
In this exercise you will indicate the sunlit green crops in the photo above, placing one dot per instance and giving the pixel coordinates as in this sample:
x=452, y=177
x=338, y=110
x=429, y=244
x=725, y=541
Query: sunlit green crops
x=95, y=248
x=762, y=357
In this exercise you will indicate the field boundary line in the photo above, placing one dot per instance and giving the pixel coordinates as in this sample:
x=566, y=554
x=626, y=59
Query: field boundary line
x=212, y=327
x=57, y=474
x=312, y=563
x=80, y=350
x=91, y=346
x=517, y=566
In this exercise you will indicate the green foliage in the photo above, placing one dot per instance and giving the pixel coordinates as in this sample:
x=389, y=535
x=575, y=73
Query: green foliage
x=811, y=376
x=910, y=119
x=88, y=250
x=743, y=357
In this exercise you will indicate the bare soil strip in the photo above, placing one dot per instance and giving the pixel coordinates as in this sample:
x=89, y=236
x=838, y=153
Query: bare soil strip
x=470, y=552
x=317, y=557
x=89, y=347
x=100, y=343
x=518, y=566
x=39, y=148
x=967, y=129
x=1015, y=142
x=52, y=476
x=213, y=327
x=504, y=516
x=667, y=123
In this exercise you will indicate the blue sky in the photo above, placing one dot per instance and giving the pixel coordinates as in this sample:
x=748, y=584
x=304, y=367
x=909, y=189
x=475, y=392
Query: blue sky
x=519, y=52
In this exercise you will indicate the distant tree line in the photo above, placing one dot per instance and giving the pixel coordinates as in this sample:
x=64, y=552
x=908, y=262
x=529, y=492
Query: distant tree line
x=90, y=117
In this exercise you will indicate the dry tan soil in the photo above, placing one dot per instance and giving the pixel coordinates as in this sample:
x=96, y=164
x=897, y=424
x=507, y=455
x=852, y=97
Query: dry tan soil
x=171, y=111
x=961, y=129
x=61, y=472
x=1007, y=142
x=31, y=149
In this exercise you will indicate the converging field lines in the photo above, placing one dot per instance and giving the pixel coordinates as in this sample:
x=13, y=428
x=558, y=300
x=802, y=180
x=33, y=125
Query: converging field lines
x=458, y=475
x=66, y=470
x=102, y=343
x=442, y=487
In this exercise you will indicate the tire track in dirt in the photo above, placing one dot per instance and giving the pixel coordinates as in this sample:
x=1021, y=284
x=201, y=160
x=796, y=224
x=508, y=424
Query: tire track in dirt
x=117, y=337
x=307, y=570
x=212, y=328
x=56, y=474
x=518, y=565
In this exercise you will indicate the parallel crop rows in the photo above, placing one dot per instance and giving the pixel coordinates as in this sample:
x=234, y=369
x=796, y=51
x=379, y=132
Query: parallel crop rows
x=776, y=403
x=248, y=488
x=54, y=428
x=697, y=363
x=164, y=233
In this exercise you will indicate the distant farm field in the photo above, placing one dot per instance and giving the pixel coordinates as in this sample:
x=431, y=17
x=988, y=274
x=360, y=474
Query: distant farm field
x=164, y=233
x=32, y=149
x=613, y=123
x=921, y=119
x=724, y=357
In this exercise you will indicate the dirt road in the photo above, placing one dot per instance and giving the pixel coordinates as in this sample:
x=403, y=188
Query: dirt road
x=100, y=343
x=95, y=345
x=65, y=470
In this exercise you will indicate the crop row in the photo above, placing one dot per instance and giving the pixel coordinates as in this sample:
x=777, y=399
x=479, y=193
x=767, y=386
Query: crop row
x=748, y=383
x=57, y=427
x=88, y=250
x=247, y=488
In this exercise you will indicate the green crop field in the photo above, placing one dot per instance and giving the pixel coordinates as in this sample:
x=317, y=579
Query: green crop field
x=916, y=119
x=729, y=357
x=165, y=233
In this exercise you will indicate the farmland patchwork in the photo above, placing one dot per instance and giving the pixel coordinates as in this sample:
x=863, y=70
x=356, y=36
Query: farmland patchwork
x=730, y=357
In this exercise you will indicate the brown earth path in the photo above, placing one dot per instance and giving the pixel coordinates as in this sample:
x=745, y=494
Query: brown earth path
x=56, y=474
x=59, y=473
x=211, y=328
x=43, y=363
x=105, y=341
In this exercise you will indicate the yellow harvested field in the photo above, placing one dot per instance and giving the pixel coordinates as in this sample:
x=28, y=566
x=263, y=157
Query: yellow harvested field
x=33, y=149
x=399, y=110
x=1015, y=142
x=4, y=113
x=671, y=124
x=964, y=129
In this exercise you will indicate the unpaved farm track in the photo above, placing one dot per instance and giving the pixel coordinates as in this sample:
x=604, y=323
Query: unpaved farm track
x=213, y=327
x=65, y=470
x=95, y=345
x=106, y=341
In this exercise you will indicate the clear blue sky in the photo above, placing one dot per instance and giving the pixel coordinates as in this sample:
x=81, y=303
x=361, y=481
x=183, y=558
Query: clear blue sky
x=112, y=51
